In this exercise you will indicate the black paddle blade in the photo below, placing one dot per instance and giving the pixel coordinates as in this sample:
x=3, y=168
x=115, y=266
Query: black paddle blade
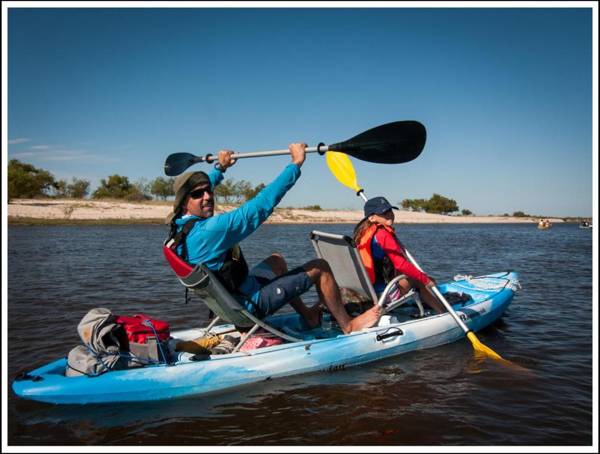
x=177, y=163
x=391, y=143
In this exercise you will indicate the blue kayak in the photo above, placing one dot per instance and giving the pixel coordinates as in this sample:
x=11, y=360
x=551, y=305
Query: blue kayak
x=325, y=348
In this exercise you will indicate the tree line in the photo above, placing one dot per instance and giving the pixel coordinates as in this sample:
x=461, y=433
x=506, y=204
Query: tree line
x=437, y=204
x=27, y=181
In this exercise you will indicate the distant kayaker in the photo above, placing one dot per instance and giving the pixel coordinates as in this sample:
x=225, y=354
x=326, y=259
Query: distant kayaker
x=383, y=255
x=213, y=241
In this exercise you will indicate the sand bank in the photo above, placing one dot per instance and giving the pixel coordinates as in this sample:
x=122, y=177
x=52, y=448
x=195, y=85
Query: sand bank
x=65, y=210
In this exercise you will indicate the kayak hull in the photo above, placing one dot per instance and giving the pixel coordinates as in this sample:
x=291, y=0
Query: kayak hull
x=221, y=372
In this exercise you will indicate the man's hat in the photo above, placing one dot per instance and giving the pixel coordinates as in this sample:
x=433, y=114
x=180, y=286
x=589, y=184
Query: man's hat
x=377, y=205
x=183, y=184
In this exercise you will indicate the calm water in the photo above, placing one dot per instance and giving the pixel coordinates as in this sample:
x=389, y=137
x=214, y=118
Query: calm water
x=442, y=396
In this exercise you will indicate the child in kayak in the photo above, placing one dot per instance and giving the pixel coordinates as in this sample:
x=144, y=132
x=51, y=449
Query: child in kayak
x=383, y=255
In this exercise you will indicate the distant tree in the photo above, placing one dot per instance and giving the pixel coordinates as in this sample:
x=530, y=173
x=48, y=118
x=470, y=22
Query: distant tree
x=420, y=204
x=414, y=204
x=250, y=192
x=231, y=191
x=436, y=204
x=60, y=189
x=118, y=187
x=27, y=181
x=440, y=204
x=143, y=190
x=239, y=189
x=162, y=187
x=519, y=214
x=78, y=189
x=226, y=191
x=466, y=212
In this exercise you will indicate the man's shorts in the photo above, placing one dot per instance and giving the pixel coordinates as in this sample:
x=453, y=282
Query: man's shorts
x=275, y=291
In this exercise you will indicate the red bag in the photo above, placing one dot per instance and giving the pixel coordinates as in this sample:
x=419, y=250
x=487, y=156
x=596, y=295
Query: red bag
x=138, y=330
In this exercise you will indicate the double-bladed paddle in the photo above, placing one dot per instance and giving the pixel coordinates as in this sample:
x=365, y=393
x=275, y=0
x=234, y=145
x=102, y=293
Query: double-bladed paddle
x=340, y=165
x=391, y=143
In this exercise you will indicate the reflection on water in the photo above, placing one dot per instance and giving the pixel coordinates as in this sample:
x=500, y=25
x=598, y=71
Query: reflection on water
x=447, y=395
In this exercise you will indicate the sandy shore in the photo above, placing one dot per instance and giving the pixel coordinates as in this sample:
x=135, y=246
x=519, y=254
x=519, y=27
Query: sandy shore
x=57, y=210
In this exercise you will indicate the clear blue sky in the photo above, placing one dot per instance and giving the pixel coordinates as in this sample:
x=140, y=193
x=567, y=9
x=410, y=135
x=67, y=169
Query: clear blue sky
x=505, y=94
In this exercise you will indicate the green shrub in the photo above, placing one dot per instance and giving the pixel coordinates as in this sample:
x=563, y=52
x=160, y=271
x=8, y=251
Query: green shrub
x=27, y=181
x=118, y=187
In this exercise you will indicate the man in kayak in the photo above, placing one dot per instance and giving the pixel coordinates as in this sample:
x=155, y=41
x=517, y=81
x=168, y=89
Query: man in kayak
x=213, y=241
x=383, y=255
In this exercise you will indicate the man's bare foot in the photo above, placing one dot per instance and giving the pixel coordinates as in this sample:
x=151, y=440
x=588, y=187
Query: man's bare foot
x=365, y=320
x=313, y=315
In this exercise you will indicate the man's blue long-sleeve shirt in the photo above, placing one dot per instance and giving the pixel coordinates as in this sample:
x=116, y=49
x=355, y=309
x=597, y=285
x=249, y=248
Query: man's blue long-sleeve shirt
x=210, y=238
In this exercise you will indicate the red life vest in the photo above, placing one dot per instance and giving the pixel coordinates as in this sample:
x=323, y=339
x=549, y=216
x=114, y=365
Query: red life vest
x=364, y=250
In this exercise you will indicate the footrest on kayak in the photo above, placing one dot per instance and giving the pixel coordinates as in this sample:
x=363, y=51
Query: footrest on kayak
x=412, y=294
x=459, y=298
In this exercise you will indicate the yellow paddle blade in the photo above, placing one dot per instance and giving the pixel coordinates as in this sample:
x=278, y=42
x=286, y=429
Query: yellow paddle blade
x=340, y=165
x=480, y=348
x=484, y=352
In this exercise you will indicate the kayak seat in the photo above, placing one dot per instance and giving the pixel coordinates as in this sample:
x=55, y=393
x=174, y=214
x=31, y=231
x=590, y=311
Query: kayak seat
x=340, y=253
x=349, y=272
x=205, y=284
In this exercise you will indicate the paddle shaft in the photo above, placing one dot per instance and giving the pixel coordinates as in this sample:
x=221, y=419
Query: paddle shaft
x=435, y=290
x=439, y=295
x=258, y=154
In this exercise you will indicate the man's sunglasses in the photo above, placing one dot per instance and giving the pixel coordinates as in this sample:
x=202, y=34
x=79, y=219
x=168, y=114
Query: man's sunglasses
x=199, y=193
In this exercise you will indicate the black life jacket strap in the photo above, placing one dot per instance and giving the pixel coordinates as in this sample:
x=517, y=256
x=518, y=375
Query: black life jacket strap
x=179, y=238
x=234, y=270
